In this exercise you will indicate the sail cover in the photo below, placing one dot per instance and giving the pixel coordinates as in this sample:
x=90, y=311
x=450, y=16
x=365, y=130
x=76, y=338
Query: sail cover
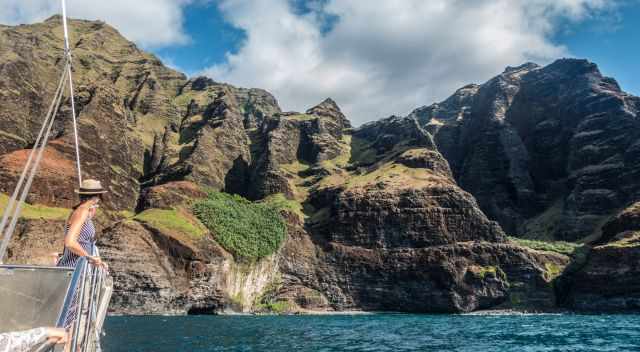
x=31, y=296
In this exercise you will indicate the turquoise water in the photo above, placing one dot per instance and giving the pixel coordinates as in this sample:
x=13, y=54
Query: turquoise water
x=377, y=332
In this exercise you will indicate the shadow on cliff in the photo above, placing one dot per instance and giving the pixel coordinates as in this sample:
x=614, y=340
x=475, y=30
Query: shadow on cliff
x=236, y=181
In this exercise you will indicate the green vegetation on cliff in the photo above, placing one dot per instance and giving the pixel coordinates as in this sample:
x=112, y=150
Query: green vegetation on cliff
x=248, y=230
x=482, y=271
x=37, y=211
x=631, y=239
x=300, y=117
x=274, y=307
x=172, y=221
x=362, y=151
x=280, y=202
x=566, y=248
x=267, y=302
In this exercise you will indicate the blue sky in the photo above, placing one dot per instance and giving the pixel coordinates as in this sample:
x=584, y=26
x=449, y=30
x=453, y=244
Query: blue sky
x=374, y=61
x=612, y=43
x=210, y=39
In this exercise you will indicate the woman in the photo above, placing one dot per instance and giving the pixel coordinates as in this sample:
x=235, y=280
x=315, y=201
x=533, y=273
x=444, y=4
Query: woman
x=79, y=239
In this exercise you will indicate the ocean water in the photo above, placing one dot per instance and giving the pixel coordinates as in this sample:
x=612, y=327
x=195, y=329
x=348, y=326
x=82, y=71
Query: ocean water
x=374, y=332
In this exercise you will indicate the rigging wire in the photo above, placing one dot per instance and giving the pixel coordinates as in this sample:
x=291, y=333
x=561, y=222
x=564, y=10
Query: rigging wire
x=67, y=53
x=12, y=209
x=31, y=154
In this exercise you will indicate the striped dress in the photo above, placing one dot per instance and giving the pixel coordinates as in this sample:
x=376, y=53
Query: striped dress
x=86, y=239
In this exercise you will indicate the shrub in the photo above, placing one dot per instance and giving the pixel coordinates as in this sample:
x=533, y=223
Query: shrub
x=247, y=230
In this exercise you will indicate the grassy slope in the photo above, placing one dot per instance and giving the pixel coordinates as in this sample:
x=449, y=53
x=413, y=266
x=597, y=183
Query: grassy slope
x=36, y=211
x=176, y=222
x=356, y=166
x=280, y=202
x=566, y=248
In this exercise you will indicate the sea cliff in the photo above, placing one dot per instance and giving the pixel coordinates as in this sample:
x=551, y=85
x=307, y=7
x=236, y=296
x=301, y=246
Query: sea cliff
x=518, y=193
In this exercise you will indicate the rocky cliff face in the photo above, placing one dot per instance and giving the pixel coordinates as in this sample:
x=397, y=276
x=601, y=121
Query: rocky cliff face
x=388, y=216
x=213, y=143
x=545, y=150
x=123, y=94
x=162, y=272
x=608, y=278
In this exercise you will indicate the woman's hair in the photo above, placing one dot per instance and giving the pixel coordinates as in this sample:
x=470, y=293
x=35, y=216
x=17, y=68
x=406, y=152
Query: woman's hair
x=86, y=197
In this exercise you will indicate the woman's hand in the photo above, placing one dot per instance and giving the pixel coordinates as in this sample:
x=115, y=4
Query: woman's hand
x=56, y=335
x=97, y=261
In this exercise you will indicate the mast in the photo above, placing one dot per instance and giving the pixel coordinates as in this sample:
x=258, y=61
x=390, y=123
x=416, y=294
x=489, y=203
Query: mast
x=67, y=53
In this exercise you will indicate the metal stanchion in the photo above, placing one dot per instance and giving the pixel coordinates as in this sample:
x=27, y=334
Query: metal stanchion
x=76, y=325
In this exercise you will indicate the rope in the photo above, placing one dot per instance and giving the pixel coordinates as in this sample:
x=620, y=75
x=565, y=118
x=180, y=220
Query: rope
x=13, y=210
x=31, y=169
x=30, y=158
x=27, y=187
x=75, y=124
x=67, y=53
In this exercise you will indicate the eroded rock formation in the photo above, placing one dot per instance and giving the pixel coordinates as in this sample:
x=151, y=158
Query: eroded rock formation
x=608, y=278
x=545, y=150
x=392, y=213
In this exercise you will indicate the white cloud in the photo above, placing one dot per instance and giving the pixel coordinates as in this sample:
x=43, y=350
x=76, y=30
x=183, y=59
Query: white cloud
x=388, y=57
x=150, y=23
x=379, y=58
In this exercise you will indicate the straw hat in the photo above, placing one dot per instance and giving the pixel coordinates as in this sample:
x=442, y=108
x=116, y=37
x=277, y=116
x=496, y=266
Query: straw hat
x=91, y=187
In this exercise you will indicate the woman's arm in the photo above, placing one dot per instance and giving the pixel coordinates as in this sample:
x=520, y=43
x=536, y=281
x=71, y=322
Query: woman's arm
x=76, y=221
x=22, y=340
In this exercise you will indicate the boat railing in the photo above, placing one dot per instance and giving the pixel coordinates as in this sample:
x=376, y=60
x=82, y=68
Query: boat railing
x=94, y=292
x=38, y=296
x=93, y=289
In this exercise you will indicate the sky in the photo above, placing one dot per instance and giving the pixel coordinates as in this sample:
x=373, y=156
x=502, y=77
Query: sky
x=375, y=58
